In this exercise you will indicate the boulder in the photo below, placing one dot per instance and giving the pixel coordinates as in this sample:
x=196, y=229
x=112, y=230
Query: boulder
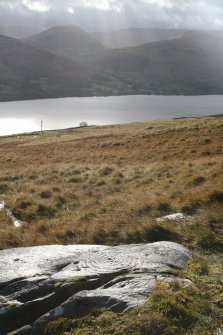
x=40, y=284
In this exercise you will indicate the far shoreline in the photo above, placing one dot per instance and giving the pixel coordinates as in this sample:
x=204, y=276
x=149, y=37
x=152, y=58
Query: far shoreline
x=113, y=96
x=39, y=133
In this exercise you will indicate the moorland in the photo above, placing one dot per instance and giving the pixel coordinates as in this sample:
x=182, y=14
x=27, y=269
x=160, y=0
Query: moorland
x=108, y=185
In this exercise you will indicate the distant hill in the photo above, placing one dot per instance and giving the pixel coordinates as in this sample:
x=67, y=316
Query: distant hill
x=27, y=73
x=135, y=36
x=18, y=31
x=78, y=65
x=216, y=33
x=70, y=42
x=190, y=64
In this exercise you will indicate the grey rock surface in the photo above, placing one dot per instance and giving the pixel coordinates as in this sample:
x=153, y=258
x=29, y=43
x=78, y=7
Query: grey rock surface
x=22, y=331
x=39, y=284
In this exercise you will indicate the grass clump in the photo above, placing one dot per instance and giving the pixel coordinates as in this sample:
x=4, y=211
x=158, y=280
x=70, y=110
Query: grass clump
x=74, y=180
x=178, y=309
x=164, y=208
x=46, y=194
x=3, y=188
x=24, y=204
x=144, y=210
x=26, y=213
x=58, y=327
x=60, y=201
x=216, y=196
x=156, y=233
x=5, y=219
x=150, y=233
x=211, y=242
x=197, y=181
x=106, y=171
x=46, y=211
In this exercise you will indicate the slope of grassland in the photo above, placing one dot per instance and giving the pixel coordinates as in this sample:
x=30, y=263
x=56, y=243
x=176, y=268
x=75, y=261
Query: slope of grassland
x=107, y=185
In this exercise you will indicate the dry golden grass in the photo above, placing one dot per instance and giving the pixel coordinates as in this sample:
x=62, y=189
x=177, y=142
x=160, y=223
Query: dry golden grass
x=108, y=184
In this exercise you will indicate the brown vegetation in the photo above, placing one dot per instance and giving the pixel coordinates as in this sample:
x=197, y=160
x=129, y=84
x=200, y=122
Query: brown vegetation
x=108, y=184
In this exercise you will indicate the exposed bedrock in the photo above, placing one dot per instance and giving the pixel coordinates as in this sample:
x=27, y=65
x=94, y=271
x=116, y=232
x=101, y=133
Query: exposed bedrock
x=40, y=284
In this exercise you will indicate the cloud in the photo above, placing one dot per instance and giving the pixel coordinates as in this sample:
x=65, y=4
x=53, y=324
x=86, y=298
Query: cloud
x=38, y=6
x=117, y=14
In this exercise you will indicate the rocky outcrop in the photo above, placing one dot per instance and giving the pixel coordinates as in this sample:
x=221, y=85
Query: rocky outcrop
x=40, y=284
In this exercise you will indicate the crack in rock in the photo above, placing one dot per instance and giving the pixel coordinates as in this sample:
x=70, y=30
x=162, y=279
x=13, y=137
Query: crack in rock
x=40, y=284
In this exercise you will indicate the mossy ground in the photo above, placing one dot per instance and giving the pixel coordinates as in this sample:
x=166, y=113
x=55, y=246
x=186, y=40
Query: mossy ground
x=107, y=185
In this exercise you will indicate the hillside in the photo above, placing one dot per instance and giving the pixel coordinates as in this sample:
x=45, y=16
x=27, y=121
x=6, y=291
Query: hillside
x=18, y=30
x=99, y=172
x=78, y=65
x=28, y=73
x=135, y=36
x=70, y=42
x=190, y=64
x=109, y=185
x=217, y=33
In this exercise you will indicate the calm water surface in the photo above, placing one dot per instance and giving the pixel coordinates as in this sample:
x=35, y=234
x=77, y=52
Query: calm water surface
x=26, y=116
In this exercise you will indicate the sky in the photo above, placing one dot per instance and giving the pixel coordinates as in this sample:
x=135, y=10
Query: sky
x=106, y=15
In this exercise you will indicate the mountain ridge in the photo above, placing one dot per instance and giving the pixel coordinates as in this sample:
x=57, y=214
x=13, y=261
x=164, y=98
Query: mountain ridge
x=29, y=73
x=75, y=64
x=190, y=64
x=69, y=41
x=135, y=36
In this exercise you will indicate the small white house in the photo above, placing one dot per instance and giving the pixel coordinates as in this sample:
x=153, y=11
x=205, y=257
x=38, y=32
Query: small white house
x=83, y=124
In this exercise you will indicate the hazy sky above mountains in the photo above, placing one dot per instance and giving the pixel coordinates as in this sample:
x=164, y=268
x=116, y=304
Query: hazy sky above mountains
x=114, y=14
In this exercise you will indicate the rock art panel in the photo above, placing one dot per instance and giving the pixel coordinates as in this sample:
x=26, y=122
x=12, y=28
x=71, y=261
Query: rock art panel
x=39, y=284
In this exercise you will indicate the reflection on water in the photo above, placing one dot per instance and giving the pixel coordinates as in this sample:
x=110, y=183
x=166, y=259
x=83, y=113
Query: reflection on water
x=15, y=125
x=25, y=116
